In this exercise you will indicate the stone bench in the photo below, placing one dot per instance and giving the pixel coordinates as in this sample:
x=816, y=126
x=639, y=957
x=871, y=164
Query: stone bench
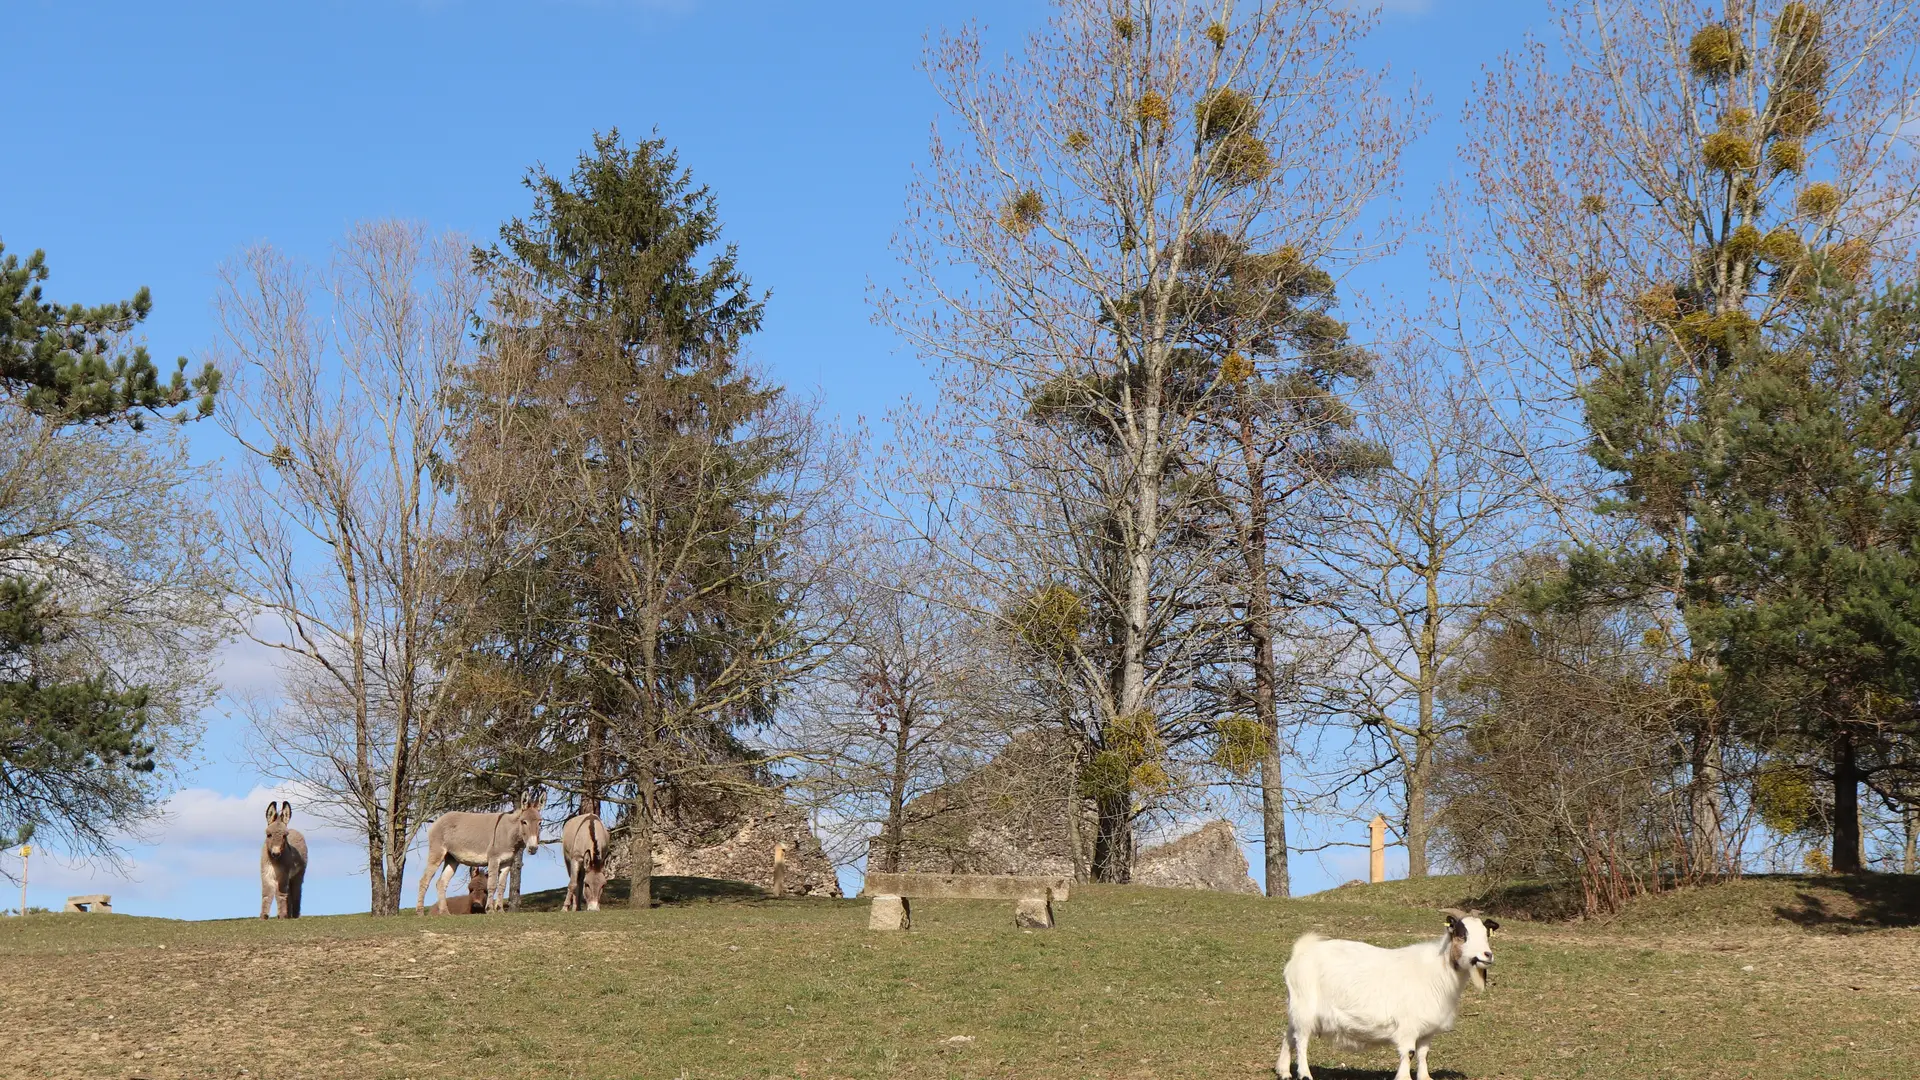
x=98, y=903
x=1033, y=897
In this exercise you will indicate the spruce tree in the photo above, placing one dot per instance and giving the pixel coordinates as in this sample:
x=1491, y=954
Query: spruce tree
x=654, y=464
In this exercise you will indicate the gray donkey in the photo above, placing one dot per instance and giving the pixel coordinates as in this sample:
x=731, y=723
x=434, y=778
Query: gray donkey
x=583, y=840
x=283, y=862
x=490, y=840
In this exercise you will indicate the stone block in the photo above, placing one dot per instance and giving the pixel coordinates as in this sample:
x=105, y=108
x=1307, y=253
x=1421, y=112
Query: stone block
x=890, y=913
x=1033, y=914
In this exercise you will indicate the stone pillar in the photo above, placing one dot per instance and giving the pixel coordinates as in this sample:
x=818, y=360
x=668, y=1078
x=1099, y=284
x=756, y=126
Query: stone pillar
x=1377, y=864
x=890, y=913
x=779, y=869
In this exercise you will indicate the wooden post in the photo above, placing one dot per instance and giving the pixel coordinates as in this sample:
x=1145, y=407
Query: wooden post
x=26, y=853
x=779, y=869
x=1377, y=842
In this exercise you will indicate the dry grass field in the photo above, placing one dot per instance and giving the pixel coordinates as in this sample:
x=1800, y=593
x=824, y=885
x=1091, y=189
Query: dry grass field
x=1774, y=978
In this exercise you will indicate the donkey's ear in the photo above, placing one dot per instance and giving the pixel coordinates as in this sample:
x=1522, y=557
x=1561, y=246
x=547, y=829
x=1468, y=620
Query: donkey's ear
x=286, y=811
x=273, y=810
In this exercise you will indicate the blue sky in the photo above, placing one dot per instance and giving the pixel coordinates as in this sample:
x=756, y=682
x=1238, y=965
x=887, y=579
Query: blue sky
x=146, y=143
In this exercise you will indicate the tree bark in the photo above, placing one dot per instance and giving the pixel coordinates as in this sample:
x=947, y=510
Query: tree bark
x=593, y=782
x=1846, y=806
x=1704, y=806
x=1113, y=839
x=1259, y=614
x=1910, y=860
x=379, y=901
x=513, y=881
x=1418, y=776
x=640, y=840
x=897, y=794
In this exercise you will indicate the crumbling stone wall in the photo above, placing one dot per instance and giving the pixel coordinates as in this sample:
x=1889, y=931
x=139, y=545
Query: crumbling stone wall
x=1207, y=858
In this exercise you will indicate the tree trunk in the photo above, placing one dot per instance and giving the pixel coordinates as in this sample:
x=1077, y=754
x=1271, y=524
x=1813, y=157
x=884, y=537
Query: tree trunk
x=1704, y=807
x=1910, y=859
x=1418, y=777
x=640, y=841
x=379, y=901
x=1258, y=593
x=593, y=782
x=1846, y=806
x=1273, y=818
x=1113, y=840
x=513, y=880
x=895, y=839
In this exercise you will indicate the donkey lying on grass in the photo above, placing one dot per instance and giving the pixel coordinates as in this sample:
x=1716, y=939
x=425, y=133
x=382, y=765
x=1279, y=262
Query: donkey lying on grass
x=475, y=901
x=583, y=840
x=283, y=862
x=490, y=840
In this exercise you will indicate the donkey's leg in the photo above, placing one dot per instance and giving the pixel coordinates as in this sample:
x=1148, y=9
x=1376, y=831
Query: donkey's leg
x=503, y=870
x=293, y=893
x=266, y=892
x=436, y=855
x=572, y=902
x=447, y=868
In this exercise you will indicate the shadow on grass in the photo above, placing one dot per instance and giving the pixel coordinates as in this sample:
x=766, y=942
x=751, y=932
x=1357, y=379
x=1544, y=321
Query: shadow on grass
x=1855, y=902
x=666, y=890
x=1325, y=1073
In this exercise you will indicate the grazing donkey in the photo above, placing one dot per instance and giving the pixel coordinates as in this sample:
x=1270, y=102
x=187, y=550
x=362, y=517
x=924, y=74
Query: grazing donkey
x=475, y=902
x=583, y=840
x=490, y=840
x=283, y=862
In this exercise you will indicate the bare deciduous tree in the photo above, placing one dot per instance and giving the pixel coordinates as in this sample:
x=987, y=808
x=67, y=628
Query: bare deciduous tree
x=1415, y=547
x=110, y=589
x=907, y=701
x=334, y=519
x=1056, y=238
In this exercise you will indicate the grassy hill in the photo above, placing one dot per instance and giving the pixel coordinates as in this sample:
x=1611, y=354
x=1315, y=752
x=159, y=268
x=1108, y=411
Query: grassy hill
x=1134, y=983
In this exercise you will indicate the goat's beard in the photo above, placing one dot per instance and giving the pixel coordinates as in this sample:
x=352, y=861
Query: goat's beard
x=1478, y=974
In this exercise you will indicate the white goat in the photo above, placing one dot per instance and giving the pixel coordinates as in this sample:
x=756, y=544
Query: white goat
x=1359, y=995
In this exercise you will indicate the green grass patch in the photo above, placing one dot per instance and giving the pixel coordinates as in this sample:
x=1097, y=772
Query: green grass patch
x=1133, y=983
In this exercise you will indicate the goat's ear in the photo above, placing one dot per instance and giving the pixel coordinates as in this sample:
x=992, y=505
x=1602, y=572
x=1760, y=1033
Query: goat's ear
x=1456, y=928
x=1491, y=924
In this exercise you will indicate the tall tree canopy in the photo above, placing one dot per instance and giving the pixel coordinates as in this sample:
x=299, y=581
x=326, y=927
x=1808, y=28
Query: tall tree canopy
x=665, y=483
x=95, y=573
x=1805, y=576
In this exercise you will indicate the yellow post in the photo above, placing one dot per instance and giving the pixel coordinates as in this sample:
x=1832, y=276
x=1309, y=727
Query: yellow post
x=1377, y=864
x=779, y=869
x=26, y=853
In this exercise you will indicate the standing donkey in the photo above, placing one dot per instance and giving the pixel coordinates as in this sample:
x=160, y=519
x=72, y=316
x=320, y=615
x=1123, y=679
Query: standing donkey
x=283, y=862
x=490, y=840
x=583, y=840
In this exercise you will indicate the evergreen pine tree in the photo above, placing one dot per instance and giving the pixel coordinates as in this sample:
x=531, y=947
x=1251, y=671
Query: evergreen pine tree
x=1805, y=575
x=71, y=748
